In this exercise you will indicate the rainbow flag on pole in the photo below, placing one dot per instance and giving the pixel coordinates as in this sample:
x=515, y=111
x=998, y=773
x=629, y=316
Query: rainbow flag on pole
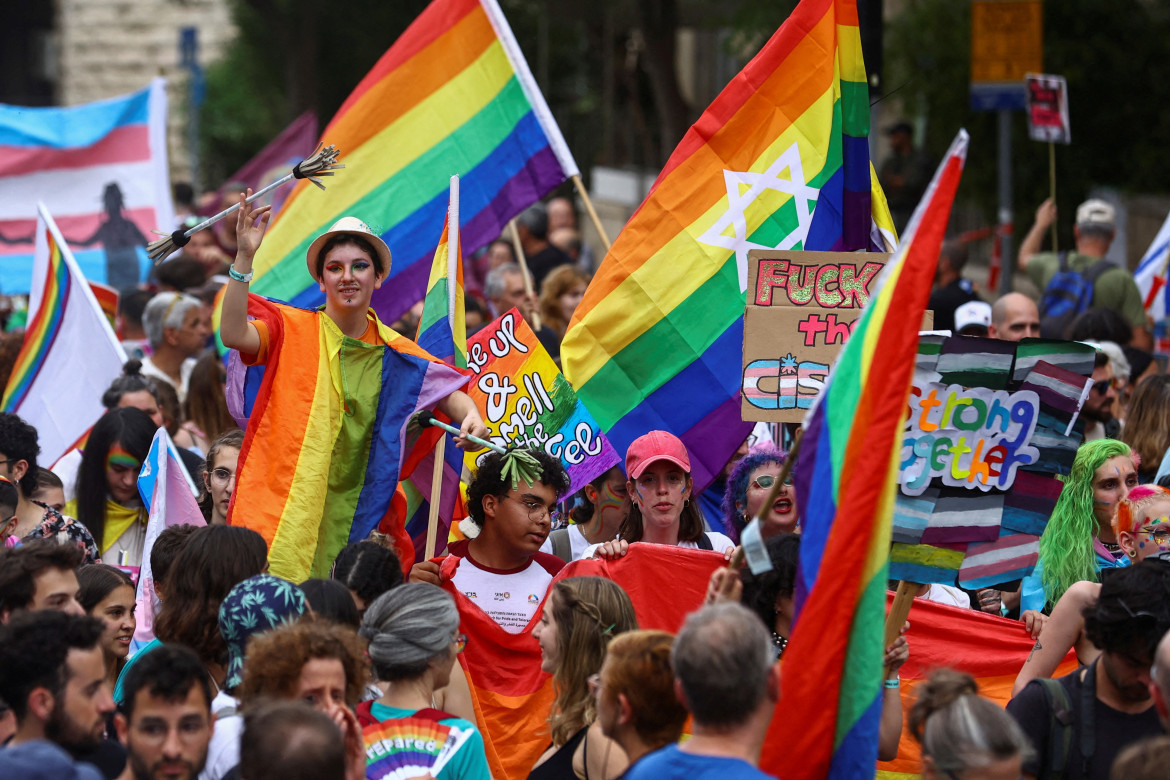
x=453, y=95
x=779, y=160
x=850, y=459
x=442, y=331
x=66, y=330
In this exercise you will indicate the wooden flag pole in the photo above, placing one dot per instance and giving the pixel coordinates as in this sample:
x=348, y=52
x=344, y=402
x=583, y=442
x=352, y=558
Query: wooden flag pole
x=436, y=494
x=522, y=261
x=896, y=618
x=592, y=212
x=1052, y=184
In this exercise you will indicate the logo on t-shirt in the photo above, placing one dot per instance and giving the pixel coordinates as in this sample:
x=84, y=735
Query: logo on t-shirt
x=533, y=598
x=503, y=596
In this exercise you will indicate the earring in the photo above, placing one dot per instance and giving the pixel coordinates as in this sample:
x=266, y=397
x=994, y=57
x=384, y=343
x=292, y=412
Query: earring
x=1132, y=554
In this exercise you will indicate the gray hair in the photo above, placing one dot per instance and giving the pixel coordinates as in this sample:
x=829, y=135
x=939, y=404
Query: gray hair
x=496, y=282
x=409, y=626
x=166, y=310
x=722, y=657
x=535, y=219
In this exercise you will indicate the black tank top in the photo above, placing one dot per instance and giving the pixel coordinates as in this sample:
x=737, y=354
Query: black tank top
x=559, y=765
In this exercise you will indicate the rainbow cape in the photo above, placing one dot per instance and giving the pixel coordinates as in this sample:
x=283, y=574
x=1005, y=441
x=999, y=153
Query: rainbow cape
x=442, y=331
x=779, y=160
x=66, y=329
x=327, y=435
x=453, y=95
x=850, y=459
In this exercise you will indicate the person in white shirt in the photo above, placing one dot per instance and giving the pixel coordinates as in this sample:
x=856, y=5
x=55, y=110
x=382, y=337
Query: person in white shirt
x=177, y=327
x=501, y=570
x=662, y=509
x=596, y=519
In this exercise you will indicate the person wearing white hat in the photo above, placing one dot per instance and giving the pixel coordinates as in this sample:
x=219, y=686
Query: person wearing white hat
x=1113, y=286
x=973, y=319
x=329, y=427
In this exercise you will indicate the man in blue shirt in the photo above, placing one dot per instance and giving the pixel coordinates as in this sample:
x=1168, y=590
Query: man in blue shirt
x=726, y=678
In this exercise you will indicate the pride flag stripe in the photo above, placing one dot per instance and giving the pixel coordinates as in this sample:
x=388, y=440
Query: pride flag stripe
x=123, y=144
x=452, y=96
x=42, y=331
x=85, y=125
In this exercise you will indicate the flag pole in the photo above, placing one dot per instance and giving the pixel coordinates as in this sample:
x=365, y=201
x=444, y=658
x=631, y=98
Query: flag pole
x=436, y=494
x=899, y=611
x=522, y=261
x=592, y=212
x=1052, y=184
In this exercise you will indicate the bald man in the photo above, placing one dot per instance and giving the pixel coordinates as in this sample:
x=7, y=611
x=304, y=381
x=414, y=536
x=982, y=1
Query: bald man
x=1013, y=317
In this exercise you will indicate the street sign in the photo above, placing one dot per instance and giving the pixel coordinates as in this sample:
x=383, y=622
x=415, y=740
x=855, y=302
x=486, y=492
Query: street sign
x=1007, y=42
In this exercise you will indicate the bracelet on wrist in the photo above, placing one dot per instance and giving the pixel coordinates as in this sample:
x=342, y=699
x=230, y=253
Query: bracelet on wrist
x=893, y=682
x=239, y=277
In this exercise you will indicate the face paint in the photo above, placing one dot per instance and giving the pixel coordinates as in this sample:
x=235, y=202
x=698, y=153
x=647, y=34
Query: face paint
x=119, y=457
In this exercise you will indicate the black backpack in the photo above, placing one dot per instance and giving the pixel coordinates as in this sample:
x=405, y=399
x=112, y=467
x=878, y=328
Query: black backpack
x=1068, y=294
x=1062, y=716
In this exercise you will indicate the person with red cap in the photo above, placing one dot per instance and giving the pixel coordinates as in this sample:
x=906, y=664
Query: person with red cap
x=662, y=506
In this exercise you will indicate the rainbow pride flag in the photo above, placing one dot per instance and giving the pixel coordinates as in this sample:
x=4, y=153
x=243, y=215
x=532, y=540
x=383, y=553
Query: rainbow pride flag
x=66, y=329
x=850, y=459
x=779, y=160
x=452, y=96
x=442, y=331
x=327, y=435
x=101, y=169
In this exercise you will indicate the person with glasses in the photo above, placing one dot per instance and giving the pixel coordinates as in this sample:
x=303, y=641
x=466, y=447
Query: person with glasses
x=662, y=509
x=581, y=617
x=1142, y=525
x=413, y=631
x=1083, y=720
x=1079, y=539
x=165, y=721
x=501, y=569
x=1098, y=409
x=219, y=476
x=748, y=487
x=964, y=735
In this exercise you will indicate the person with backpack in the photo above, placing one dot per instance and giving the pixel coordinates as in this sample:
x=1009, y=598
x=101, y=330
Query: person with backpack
x=1074, y=281
x=1080, y=722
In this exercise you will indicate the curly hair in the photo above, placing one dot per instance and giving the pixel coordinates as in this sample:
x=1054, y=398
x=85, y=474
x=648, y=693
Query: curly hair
x=760, y=591
x=1132, y=613
x=489, y=480
x=276, y=658
x=213, y=561
x=1066, y=546
x=589, y=612
x=737, y=485
x=18, y=441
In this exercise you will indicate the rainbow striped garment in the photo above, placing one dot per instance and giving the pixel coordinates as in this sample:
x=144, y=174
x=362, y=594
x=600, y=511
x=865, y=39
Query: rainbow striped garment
x=327, y=435
x=452, y=96
x=779, y=160
x=849, y=462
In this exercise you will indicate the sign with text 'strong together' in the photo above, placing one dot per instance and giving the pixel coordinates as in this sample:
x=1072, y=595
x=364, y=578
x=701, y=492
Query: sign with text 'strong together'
x=525, y=400
x=801, y=308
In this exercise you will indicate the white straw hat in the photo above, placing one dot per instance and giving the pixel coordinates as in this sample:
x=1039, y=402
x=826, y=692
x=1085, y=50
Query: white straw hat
x=354, y=227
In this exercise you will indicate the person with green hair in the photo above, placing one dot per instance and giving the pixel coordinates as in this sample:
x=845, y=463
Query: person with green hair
x=1079, y=540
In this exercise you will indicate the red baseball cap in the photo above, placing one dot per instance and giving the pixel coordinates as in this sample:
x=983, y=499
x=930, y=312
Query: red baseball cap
x=656, y=445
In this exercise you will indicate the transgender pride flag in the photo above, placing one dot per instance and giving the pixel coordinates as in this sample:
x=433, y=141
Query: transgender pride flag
x=101, y=169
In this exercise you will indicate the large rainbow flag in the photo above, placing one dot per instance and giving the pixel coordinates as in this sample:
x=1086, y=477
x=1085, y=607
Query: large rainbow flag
x=101, y=169
x=328, y=433
x=442, y=331
x=779, y=160
x=452, y=96
x=852, y=440
x=66, y=330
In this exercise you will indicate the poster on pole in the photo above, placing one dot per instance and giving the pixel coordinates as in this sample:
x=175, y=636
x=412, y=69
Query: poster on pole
x=525, y=400
x=1048, y=108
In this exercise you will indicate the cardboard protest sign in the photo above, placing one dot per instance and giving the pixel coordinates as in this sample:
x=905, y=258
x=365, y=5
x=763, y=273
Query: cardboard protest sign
x=990, y=424
x=1048, y=108
x=524, y=399
x=801, y=308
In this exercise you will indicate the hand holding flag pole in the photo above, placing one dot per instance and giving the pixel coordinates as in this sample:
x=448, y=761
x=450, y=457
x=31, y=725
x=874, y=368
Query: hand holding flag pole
x=323, y=162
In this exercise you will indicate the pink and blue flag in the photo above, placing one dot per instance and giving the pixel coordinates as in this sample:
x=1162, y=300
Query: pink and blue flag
x=101, y=169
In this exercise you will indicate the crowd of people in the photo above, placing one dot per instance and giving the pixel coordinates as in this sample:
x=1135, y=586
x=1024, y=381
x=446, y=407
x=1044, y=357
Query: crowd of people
x=248, y=672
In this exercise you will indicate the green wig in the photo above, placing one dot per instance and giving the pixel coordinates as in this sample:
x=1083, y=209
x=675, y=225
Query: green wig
x=1066, y=547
